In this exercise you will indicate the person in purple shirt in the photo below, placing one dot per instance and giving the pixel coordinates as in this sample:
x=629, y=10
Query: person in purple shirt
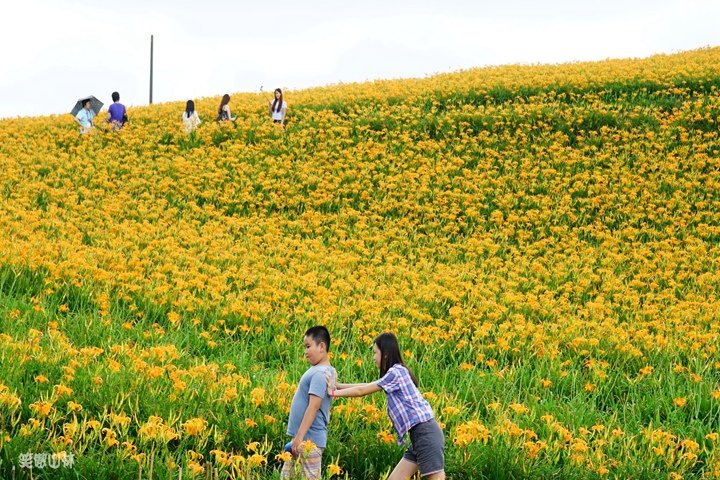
x=118, y=114
x=409, y=412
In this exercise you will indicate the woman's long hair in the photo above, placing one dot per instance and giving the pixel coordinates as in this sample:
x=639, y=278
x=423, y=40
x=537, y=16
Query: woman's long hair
x=277, y=104
x=189, y=108
x=225, y=100
x=390, y=354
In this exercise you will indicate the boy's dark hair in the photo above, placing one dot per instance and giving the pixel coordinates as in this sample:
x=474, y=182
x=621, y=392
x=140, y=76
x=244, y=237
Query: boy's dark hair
x=115, y=96
x=319, y=334
x=86, y=102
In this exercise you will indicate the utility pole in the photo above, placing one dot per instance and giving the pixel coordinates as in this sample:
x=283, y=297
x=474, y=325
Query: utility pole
x=151, y=67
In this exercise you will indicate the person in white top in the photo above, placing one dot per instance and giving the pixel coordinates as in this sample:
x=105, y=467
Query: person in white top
x=224, y=110
x=85, y=117
x=278, y=108
x=190, y=117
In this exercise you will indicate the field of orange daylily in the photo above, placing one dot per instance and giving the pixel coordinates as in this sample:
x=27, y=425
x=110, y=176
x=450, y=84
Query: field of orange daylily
x=544, y=240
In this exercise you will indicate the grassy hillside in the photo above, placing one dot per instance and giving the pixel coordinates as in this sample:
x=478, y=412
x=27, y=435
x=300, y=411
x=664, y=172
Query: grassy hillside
x=543, y=240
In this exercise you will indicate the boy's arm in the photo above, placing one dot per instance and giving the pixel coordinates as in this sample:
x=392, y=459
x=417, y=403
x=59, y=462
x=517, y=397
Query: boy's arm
x=314, y=405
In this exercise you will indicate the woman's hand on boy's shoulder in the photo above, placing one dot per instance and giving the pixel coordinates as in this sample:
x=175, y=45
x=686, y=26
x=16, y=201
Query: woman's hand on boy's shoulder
x=331, y=380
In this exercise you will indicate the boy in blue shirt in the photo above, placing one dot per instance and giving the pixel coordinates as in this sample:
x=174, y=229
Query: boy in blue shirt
x=310, y=409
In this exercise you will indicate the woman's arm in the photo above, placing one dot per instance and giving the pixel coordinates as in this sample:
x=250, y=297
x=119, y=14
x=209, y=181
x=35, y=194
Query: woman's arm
x=343, y=386
x=357, y=390
x=334, y=386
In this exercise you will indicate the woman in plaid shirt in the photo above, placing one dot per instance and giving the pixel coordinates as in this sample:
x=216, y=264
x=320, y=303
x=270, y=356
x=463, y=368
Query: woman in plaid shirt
x=409, y=412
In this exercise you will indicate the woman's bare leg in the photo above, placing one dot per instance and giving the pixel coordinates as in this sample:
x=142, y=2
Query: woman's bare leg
x=403, y=470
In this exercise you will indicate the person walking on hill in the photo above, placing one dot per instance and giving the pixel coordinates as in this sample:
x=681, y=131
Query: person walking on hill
x=278, y=108
x=224, y=110
x=118, y=115
x=190, y=117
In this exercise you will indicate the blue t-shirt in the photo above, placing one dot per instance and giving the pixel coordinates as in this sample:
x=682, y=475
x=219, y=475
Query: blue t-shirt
x=312, y=383
x=116, y=110
x=85, y=117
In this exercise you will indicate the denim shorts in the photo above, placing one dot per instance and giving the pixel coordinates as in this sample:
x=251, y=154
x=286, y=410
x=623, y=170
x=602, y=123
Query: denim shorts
x=427, y=448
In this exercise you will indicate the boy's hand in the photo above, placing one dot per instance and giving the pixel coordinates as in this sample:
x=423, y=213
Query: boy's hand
x=295, y=447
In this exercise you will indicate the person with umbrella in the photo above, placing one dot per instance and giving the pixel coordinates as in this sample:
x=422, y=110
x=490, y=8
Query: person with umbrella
x=84, y=113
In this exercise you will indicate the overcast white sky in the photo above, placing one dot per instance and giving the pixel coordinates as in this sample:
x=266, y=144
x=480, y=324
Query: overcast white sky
x=55, y=51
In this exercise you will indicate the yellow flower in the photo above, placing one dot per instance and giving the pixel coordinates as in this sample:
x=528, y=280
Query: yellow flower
x=258, y=396
x=283, y=457
x=269, y=419
x=680, y=402
x=195, y=426
x=471, y=432
x=110, y=437
x=41, y=408
x=174, y=318
x=385, y=436
x=307, y=445
x=221, y=457
x=334, y=469
x=256, y=460
x=195, y=468
x=518, y=408
x=61, y=390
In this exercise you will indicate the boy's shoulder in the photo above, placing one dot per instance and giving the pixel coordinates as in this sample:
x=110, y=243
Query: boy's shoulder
x=318, y=369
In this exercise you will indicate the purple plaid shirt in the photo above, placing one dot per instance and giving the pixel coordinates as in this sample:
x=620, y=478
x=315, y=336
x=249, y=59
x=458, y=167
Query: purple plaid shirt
x=406, y=406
